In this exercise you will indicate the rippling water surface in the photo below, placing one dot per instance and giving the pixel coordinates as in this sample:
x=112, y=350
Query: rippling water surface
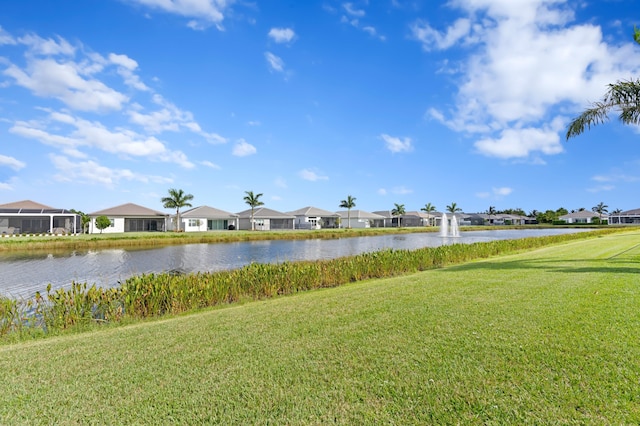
x=22, y=274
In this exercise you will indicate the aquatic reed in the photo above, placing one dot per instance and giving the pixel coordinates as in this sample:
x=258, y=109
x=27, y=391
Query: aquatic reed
x=153, y=295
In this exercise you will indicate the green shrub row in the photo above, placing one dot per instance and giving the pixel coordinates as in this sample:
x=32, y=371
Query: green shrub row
x=154, y=295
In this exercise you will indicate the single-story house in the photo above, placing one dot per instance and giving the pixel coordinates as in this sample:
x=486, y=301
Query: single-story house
x=584, y=216
x=358, y=218
x=629, y=217
x=29, y=217
x=265, y=219
x=411, y=218
x=130, y=217
x=314, y=218
x=205, y=218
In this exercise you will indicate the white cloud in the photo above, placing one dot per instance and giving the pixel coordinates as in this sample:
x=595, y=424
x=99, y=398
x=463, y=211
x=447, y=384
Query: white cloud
x=6, y=38
x=210, y=164
x=520, y=143
x=601, y=188
x=242, y=148
x=529, y=62
x=64, y=81
x=47, y=47
x=92, y=172
x=310, y=175
x=351, y=10
x=253, y=123
x=395, y=144
x=382, y=191
x=275, y=62
x=281, y=35
x=203, y=12
x=496, y=193
x=401, y=190
x=11, y=162
x=431, y=38
x=93, y=134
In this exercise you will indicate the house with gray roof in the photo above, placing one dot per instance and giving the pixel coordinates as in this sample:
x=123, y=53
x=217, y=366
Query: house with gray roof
x=628, y=217
x=408, y=219
x=130, y=217
x=205, y=218
x=314, y=218
x=265, y=219
x=29, y=217
x=357, y=218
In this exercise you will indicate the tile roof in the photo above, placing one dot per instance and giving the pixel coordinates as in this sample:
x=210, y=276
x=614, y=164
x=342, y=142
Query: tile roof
x=312, y=212
x=25, y=204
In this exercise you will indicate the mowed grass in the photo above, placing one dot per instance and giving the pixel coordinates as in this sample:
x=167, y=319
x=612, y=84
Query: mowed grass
x=545, y=337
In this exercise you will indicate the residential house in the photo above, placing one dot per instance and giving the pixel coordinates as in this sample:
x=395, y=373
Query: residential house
x=629, y=217
x=29, y=217
x=584, y=216
x=205, y=218
x=130, y=218
x=314, y=218
x=411, y=218
x=265, y=219
x=359, y=218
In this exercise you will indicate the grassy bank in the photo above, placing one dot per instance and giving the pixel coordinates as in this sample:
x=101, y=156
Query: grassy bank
x=153, y=295
x=543, y=337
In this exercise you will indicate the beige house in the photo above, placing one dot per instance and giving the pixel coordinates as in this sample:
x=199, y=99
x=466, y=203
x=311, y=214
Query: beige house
x=130, y=218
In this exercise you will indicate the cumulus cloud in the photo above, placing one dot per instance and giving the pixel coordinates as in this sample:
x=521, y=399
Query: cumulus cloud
x=529, y=61
x=202, y=12
x=281, y=35
x=352, y=10
x=275, y=62
x=92, y=134
x=11, y=162
x=92, y=172
x=311, y=175
x=242, y=149
x=395, y=144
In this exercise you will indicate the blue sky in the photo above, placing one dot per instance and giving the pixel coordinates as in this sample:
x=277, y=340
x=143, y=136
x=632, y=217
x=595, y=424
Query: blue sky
x=390, y=101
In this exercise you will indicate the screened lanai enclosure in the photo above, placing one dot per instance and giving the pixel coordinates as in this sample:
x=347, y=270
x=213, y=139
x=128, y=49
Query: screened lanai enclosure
x=38, y=221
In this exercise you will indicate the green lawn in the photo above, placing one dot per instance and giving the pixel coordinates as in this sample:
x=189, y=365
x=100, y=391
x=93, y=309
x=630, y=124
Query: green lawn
x=545, y=337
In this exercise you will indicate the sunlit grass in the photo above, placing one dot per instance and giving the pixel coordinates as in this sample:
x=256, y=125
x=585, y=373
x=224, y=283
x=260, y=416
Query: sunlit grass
x=542, y=337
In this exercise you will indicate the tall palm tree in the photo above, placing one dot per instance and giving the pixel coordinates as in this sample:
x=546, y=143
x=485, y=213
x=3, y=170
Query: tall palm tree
x=177, y=199
x=623, y=96
x=348, y=204
x=254, y=201
x=398, y=210
x=453, y=208
x=428, y=208
x=600, y=208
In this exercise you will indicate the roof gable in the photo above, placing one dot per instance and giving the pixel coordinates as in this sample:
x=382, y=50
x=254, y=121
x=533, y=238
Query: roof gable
x=264, y=213
x=207, y=212
x=26, y=204
x=312, y=212
x=129, y=209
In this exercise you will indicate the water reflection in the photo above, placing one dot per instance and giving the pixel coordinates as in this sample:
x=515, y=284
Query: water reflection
x=25, y=273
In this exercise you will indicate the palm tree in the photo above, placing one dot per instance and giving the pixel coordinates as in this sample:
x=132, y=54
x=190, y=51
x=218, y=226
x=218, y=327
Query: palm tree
x=398, y=210
x=491, y=212
x=177, y=199
x=600, y=208
x=348, y=204
x=453, y=208
x=616, y=211
x=623, y=96
x=254, y=201
x=428, y=208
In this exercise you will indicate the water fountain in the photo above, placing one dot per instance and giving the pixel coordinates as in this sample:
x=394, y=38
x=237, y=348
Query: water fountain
x=445, y=230
x=444, y=226
x=455, y=231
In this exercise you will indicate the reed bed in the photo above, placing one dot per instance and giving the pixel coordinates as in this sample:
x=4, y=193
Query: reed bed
x=154, y=295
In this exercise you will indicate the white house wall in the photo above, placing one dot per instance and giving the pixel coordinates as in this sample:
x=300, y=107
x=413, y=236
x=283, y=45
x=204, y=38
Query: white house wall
x=118, y=226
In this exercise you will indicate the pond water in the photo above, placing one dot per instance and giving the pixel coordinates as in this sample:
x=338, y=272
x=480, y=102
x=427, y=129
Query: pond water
x=22, y=274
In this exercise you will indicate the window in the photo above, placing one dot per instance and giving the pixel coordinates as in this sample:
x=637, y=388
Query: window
x=112, y=223
x=194, y=222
